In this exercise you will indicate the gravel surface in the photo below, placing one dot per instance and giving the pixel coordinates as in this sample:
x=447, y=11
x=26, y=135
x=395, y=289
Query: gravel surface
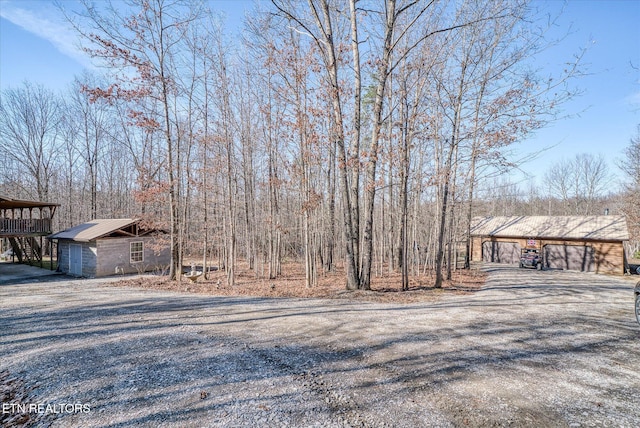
x=529, y=349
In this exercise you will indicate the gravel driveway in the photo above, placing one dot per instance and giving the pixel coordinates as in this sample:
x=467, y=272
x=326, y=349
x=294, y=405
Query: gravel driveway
x=530, y=349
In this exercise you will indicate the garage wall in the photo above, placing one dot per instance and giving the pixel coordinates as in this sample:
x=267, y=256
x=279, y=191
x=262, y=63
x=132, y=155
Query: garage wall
x=608, y=257
x=476, y=249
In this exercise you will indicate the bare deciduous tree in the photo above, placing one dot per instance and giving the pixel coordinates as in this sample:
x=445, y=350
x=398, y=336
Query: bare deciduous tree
x=578, y=182
x=29, y=135
x=147, y=44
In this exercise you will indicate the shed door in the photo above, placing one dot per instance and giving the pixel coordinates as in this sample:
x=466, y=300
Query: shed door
x=569, y=257
x=501, y=252
x=75, y=259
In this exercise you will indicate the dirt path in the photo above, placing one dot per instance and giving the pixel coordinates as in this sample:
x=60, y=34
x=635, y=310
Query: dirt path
x=530, y=349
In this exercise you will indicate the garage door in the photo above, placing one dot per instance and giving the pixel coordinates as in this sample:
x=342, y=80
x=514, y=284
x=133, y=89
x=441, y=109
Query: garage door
x=501, y=252
x=569, y=257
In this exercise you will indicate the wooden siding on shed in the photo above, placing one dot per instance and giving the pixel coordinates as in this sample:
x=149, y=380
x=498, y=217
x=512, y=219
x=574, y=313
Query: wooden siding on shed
x=63, y=256
x=102, y=257
x=114, y=256
x=88, y=256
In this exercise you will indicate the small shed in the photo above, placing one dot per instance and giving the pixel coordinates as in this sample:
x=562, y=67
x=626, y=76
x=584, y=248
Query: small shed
x=582, y=243
x=111, y=246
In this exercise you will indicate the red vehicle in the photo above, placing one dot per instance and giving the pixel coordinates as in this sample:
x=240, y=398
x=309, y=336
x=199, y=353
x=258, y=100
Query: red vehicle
x=531, y=258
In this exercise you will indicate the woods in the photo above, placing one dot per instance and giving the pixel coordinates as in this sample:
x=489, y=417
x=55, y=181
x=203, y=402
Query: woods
x=355, y=136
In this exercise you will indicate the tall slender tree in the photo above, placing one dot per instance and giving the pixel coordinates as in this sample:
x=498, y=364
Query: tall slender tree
x=142, y=50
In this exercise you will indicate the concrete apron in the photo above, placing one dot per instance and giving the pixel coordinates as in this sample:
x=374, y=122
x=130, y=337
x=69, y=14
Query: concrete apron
x=15, y=271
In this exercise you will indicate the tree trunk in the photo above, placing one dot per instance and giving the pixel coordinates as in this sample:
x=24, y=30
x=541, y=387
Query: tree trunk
x=370, y=174
x=331, y=65
x=354, y=158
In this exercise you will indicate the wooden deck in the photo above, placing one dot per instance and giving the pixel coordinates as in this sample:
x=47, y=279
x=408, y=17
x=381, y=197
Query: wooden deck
x=24, y=227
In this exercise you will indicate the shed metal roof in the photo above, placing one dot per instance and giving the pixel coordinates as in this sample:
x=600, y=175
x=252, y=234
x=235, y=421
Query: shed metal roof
x=94, y=229
x=595, y=228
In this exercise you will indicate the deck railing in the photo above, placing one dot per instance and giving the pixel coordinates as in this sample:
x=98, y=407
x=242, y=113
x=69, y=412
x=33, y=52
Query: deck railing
x=21, y=226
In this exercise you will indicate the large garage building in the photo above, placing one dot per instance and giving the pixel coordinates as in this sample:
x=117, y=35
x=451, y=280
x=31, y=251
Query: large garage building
x=581, y=243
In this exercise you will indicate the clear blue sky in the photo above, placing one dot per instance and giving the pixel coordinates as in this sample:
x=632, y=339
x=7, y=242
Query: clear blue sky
x=37, y=45
x=605, y=117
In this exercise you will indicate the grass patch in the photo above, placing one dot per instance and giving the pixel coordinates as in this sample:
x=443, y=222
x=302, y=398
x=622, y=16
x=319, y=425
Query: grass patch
x=46, y=264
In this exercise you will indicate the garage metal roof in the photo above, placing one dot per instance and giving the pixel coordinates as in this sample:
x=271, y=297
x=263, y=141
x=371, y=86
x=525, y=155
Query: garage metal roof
x=595, y=228
x=94, y=229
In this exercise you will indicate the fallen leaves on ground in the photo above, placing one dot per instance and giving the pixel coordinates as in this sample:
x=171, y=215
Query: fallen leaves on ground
x=13, y=394
x=385, y=287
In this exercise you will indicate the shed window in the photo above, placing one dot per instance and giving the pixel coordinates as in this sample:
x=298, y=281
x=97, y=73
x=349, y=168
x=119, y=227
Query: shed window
x=137, y=252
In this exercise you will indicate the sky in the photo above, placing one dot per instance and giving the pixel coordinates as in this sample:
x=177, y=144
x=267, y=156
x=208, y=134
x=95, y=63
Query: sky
x=604, y=118
x=36, y=45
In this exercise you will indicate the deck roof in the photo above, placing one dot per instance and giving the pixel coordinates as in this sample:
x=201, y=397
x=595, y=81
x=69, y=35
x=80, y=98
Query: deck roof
x=590, y=228
x=9, y=204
